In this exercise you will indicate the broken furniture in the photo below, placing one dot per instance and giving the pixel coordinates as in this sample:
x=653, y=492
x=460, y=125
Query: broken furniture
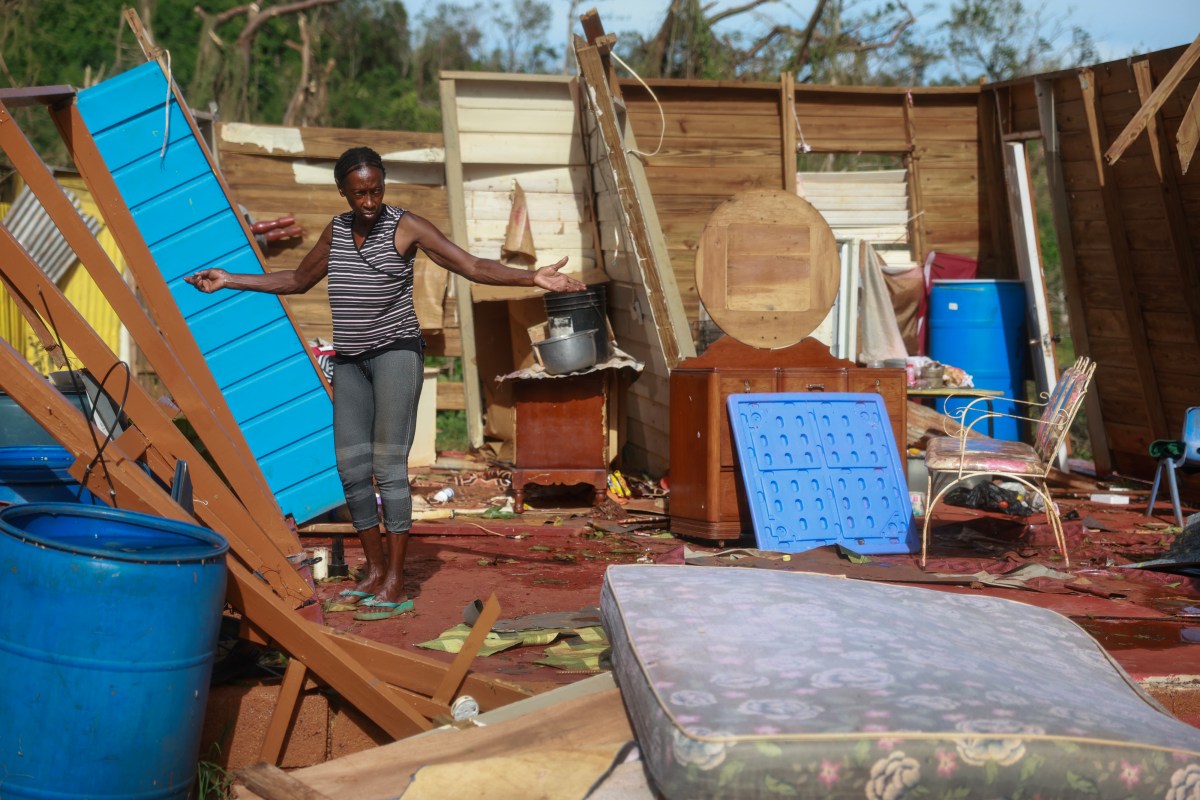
x=822, y=468
x=1174, y=454
x=952, y=460
x=808, y=685
x=562, y=432
x=707, y=497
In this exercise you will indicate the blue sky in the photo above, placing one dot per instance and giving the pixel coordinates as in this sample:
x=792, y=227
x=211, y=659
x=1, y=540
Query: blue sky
x=1119, y=27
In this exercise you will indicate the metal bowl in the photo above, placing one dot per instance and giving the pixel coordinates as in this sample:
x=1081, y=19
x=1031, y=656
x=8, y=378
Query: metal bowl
x=569, y=353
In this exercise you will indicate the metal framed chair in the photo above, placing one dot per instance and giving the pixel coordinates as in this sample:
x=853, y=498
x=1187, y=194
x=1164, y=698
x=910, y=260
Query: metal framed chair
x=950, y=460
x=1176, y=454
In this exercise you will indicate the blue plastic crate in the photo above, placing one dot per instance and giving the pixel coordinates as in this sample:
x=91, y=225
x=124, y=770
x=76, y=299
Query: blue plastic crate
x=822, y=468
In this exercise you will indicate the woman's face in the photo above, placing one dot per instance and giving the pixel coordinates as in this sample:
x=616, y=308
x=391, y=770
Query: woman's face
x=363, y=190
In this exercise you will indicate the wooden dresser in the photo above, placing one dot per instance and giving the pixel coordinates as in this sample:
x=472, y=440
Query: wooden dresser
x=707, y=500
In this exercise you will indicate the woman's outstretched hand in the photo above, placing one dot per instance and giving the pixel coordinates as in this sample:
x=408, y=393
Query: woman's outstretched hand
x=208, y=280
x=552, y=280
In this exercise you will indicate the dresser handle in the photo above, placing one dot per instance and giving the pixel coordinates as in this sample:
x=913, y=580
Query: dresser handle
x=747, y=385
x=816, y=387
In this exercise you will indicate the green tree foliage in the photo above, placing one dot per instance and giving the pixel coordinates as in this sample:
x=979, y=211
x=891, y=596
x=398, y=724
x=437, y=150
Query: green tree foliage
x=1002, y=39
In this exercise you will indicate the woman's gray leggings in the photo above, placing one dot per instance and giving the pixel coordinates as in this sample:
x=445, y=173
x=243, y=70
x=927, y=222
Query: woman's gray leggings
x=374, y=420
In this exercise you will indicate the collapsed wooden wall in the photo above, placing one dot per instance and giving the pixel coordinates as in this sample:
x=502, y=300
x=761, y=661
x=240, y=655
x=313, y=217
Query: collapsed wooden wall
x=1129, y=237
x=274, y=171
x=723, y=138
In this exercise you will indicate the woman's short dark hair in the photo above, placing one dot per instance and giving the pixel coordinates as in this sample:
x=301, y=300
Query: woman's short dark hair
x=354, y=158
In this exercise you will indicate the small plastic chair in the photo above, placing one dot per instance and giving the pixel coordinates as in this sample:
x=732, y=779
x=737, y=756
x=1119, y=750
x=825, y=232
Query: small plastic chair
x=1174, y=454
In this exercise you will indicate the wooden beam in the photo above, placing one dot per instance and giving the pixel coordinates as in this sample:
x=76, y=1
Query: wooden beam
x=1047, y=119
x=421, y=674
x=1173, y=206
x=912, y=161
x=1154, y=102
x=456, y=201
x=1189, y=132
x=462, y=662
x=788, y=123
x=271, y=783
x=634, y=217
x=1135, y=320
x=285, y=711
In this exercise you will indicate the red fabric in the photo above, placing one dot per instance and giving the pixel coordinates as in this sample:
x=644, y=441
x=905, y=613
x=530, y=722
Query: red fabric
x=940, y=266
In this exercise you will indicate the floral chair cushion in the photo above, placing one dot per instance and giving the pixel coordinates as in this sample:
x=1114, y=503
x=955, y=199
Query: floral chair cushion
x=946, y=454
x=751, y=683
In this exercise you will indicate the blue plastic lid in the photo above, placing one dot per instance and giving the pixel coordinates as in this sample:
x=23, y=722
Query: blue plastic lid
x=112, y=533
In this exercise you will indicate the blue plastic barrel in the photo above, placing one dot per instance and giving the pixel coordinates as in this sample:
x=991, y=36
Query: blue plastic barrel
x=39, y=474
x=107, y=639
x=979, y=326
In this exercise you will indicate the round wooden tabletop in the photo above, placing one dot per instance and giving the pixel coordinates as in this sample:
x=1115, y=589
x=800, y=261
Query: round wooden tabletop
x=767, y=268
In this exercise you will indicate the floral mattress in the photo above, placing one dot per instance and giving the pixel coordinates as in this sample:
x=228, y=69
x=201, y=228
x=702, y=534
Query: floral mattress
x=753, y=683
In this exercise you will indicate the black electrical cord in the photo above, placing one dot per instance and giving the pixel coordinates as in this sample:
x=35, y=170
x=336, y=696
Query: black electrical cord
x=76, y=381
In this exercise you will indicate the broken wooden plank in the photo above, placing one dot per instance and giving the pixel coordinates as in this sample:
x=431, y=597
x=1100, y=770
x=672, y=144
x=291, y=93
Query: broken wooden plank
x=453, y=678
x=284, y=713
x=1154, y=102
x=271, y=783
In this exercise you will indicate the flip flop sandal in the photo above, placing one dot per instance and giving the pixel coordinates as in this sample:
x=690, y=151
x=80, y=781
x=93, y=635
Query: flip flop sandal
x=337, y=603
x=387, y=610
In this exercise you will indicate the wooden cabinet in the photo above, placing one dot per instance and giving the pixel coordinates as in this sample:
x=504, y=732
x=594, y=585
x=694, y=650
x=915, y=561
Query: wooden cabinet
x=707, y=500
x=562, y=433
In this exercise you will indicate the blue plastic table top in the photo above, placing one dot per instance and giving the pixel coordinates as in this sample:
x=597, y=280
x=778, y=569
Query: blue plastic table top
x=822, y=468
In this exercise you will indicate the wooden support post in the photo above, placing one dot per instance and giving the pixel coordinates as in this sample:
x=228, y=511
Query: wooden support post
x=1135, y=321
x=593, y=29
x=660, y=289
x=286, y=707
x=462, y=662
x=462, y=287
x=1152, y=104
x=220, y=509
x=1061, y=212
x=787, y=125
x=915, y=194
x=1172, y=200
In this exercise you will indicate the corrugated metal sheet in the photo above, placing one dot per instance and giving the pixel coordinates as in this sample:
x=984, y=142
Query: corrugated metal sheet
x=75, y=282
x=30, y=225
x=256, y=355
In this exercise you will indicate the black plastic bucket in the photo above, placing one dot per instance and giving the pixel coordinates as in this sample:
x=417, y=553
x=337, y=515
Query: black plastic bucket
x=587, y=311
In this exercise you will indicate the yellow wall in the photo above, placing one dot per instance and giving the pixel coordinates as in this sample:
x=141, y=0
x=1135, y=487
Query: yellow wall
x=79, y=288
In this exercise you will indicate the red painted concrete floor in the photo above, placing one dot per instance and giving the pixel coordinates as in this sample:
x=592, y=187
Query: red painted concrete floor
x=553, y=559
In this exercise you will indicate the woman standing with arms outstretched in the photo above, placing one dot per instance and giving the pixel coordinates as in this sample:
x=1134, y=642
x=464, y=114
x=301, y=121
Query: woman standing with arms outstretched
x=368, y=254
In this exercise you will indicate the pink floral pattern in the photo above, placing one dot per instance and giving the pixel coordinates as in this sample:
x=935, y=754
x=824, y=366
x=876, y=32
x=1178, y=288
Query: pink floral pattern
x=827, y=687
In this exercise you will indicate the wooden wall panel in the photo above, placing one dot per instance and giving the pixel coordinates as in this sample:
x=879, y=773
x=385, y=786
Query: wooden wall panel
x=719, y=139
x=1135, y=232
